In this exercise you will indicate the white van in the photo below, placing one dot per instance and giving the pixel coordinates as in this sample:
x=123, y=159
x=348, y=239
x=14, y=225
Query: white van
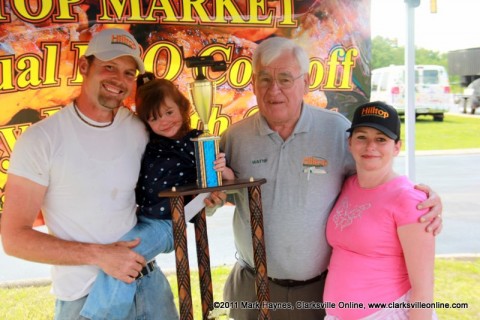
x=432, y=89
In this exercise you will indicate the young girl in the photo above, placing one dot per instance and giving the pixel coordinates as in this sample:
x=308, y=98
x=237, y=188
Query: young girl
x=381, y=254
x=169, y=160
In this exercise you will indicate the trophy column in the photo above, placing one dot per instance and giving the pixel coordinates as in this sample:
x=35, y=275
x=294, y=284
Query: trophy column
x=202, y=93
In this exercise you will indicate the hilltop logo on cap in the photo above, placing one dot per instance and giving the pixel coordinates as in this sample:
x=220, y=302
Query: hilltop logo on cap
x=374, y=111
x=378, y=115
x=123, y=39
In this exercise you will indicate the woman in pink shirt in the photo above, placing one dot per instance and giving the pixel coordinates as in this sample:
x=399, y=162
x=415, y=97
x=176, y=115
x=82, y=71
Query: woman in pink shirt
x=382, y=261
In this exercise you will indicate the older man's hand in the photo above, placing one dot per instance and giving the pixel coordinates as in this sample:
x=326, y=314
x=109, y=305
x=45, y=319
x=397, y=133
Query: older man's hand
x=434, y=216
x=216, y=199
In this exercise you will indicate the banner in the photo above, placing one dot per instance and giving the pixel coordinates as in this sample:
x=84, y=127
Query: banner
x=42, y=40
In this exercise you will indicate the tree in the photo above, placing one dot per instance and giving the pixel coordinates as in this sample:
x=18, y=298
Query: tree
x=386, y=52
x=426, y=56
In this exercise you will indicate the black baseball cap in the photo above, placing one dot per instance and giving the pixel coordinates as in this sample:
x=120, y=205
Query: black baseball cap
x=378, y=115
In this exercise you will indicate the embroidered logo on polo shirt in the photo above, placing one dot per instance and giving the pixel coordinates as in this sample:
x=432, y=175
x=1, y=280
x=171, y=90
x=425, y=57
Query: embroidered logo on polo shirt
x=315, y=165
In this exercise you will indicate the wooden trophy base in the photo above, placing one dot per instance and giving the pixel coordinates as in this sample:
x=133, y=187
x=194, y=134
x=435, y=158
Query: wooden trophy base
x=203, y=254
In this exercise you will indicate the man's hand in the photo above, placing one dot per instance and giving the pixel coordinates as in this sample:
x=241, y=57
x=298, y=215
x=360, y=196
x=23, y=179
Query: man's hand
x=216, y=199
x=435, y=214
x=120, y=261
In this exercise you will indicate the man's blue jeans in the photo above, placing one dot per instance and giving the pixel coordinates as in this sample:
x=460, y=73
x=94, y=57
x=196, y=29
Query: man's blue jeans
x=113, y=299
x=153, y=300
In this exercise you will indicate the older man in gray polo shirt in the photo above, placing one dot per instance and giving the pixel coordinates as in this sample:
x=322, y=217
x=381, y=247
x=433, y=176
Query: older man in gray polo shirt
x=302, y=151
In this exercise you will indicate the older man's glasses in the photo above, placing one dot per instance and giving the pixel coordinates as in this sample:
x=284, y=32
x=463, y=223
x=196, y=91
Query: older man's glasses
x=284, y=81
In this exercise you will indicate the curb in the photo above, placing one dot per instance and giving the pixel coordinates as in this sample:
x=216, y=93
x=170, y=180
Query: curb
x=462, y=256
x=443, y=152
x=47, y=281
x=42, y=282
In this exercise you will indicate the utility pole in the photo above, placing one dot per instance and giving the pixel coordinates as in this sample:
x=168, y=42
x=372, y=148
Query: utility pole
x=410, y=116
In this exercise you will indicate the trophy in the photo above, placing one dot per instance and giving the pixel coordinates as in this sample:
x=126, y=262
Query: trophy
x=202, y=94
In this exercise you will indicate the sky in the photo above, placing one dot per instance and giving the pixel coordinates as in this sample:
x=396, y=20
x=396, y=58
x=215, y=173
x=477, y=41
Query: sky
x=456, y=25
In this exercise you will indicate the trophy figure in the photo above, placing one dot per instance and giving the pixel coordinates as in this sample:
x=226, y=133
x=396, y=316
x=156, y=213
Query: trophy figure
x=202, y=94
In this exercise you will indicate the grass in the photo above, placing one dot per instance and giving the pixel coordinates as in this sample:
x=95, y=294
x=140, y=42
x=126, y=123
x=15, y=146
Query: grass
x=456, y=281
x=455, y=132
x=26, y=303
x=219, y=277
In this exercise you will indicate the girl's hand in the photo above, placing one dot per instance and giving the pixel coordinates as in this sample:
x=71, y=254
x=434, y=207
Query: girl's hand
x=220, y=163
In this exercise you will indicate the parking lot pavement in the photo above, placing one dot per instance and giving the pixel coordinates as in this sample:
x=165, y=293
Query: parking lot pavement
x=455, y=176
